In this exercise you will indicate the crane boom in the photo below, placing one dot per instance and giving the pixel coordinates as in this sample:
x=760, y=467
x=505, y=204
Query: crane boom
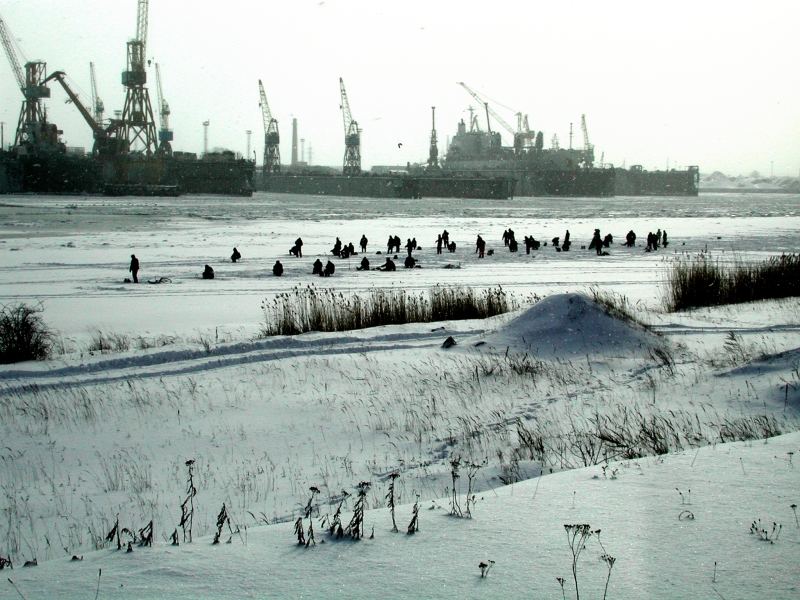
x=141, y=23
x=494, y=114
x=347, y=117
x=97, y=103
x=11, y=53
x=87, y=116
x=586, y=144
x=272, y=151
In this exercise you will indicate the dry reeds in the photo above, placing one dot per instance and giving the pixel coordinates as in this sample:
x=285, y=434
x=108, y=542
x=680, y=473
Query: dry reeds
x=704, y=282
x=310, y=308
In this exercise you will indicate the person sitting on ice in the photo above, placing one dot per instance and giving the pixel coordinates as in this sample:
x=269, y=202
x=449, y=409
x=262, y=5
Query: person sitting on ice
x=277, y=269
x=410, y=262
x=337, y=247
x=235, y=256
x=512, y=245
x=630, y=239
x=317, y=270
x=608, y=240
x=555, y=241
x=351, y=249
x=329, y=269
x=208, y=273
x=364, y=265
x=345, y=253
x=451, y=247
x=388, y=266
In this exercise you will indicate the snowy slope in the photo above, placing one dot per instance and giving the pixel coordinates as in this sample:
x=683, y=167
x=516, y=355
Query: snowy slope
x=641, y=511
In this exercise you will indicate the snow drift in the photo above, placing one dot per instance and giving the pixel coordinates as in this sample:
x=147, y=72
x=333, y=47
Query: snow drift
x=572, y=325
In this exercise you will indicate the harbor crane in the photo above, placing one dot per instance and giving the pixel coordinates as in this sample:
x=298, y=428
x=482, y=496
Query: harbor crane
x=97, y=103
x=272, y=138
x=138, y=125
x=106, y=139
x=352, y=137
x=165, y=135
x=521, y=138
x=33, y=130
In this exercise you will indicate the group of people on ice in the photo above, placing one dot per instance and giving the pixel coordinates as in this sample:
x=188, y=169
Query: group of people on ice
x=340, y=250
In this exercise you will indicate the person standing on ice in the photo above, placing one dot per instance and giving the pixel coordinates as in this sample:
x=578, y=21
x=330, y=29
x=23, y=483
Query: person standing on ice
x=480, y=246
x=410, y=246
x=298, y=243
x=439, y=242
x=363, y=243
x=134, y=268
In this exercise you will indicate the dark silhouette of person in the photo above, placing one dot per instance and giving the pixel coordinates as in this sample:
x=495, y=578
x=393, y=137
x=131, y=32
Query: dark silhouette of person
x=566, y=237
x=390, y=245
x=409, y=262
x=410, y=246
x=512, y=245
x=277, y=269
x=480, y=246
x=364, y=265
x=298, y=243
x=451, y=247
x=235, y=256
x=337, y=247
x=664, y=241
x=630, y=239
x=363, y=243
x=608, y=240
x=295, y=251
x=650, y=244
x=397, y=243
x=208, y=272
x=446, y=237
x=597, y=242
x=134, y=268
x=658, y=237
x=329, y=269
x=351, y=249
x=439, y=242
x=388, y=265
x=414, y=242
x=345, y=252
x=317, y=269
x=505, y=237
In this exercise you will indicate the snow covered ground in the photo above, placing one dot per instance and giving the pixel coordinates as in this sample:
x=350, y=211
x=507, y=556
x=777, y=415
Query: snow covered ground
x=559, y=389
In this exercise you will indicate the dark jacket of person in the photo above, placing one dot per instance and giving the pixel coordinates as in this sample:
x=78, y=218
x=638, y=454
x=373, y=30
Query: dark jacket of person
x=329, y=269
x=364, y=264
x=208, y=272
x=317, y=270
x=235, y=256
x=277, y=269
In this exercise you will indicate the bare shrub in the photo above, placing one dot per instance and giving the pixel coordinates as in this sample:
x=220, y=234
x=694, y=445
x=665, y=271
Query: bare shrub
x=23, y=334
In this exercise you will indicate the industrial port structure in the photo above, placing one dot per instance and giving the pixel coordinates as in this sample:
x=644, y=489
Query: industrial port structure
x=127, y=156
x=132, y=153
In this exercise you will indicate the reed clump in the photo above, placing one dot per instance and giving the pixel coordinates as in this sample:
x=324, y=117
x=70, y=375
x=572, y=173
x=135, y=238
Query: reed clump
x=308, y=308
x=702, y=281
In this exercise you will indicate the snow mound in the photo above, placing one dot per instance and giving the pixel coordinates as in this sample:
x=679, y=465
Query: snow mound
x=569, y=325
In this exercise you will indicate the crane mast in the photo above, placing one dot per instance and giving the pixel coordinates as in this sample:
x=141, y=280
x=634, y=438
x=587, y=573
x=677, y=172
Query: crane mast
x=352, y=137
x=138, y=124
x=272, y=151
x=32, y=126
x=433, y=153
x=164, y=133
x=97, y=103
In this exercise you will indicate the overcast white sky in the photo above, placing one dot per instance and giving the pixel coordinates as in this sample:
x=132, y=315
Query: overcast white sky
x=708, y=83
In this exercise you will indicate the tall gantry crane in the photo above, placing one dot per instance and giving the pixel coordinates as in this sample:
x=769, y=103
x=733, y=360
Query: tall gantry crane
x=138, y=125
x=32, y=127
x=164, y=133
x=352, y=137
x=97, y=104
x=272, y=139
x=433, y=153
